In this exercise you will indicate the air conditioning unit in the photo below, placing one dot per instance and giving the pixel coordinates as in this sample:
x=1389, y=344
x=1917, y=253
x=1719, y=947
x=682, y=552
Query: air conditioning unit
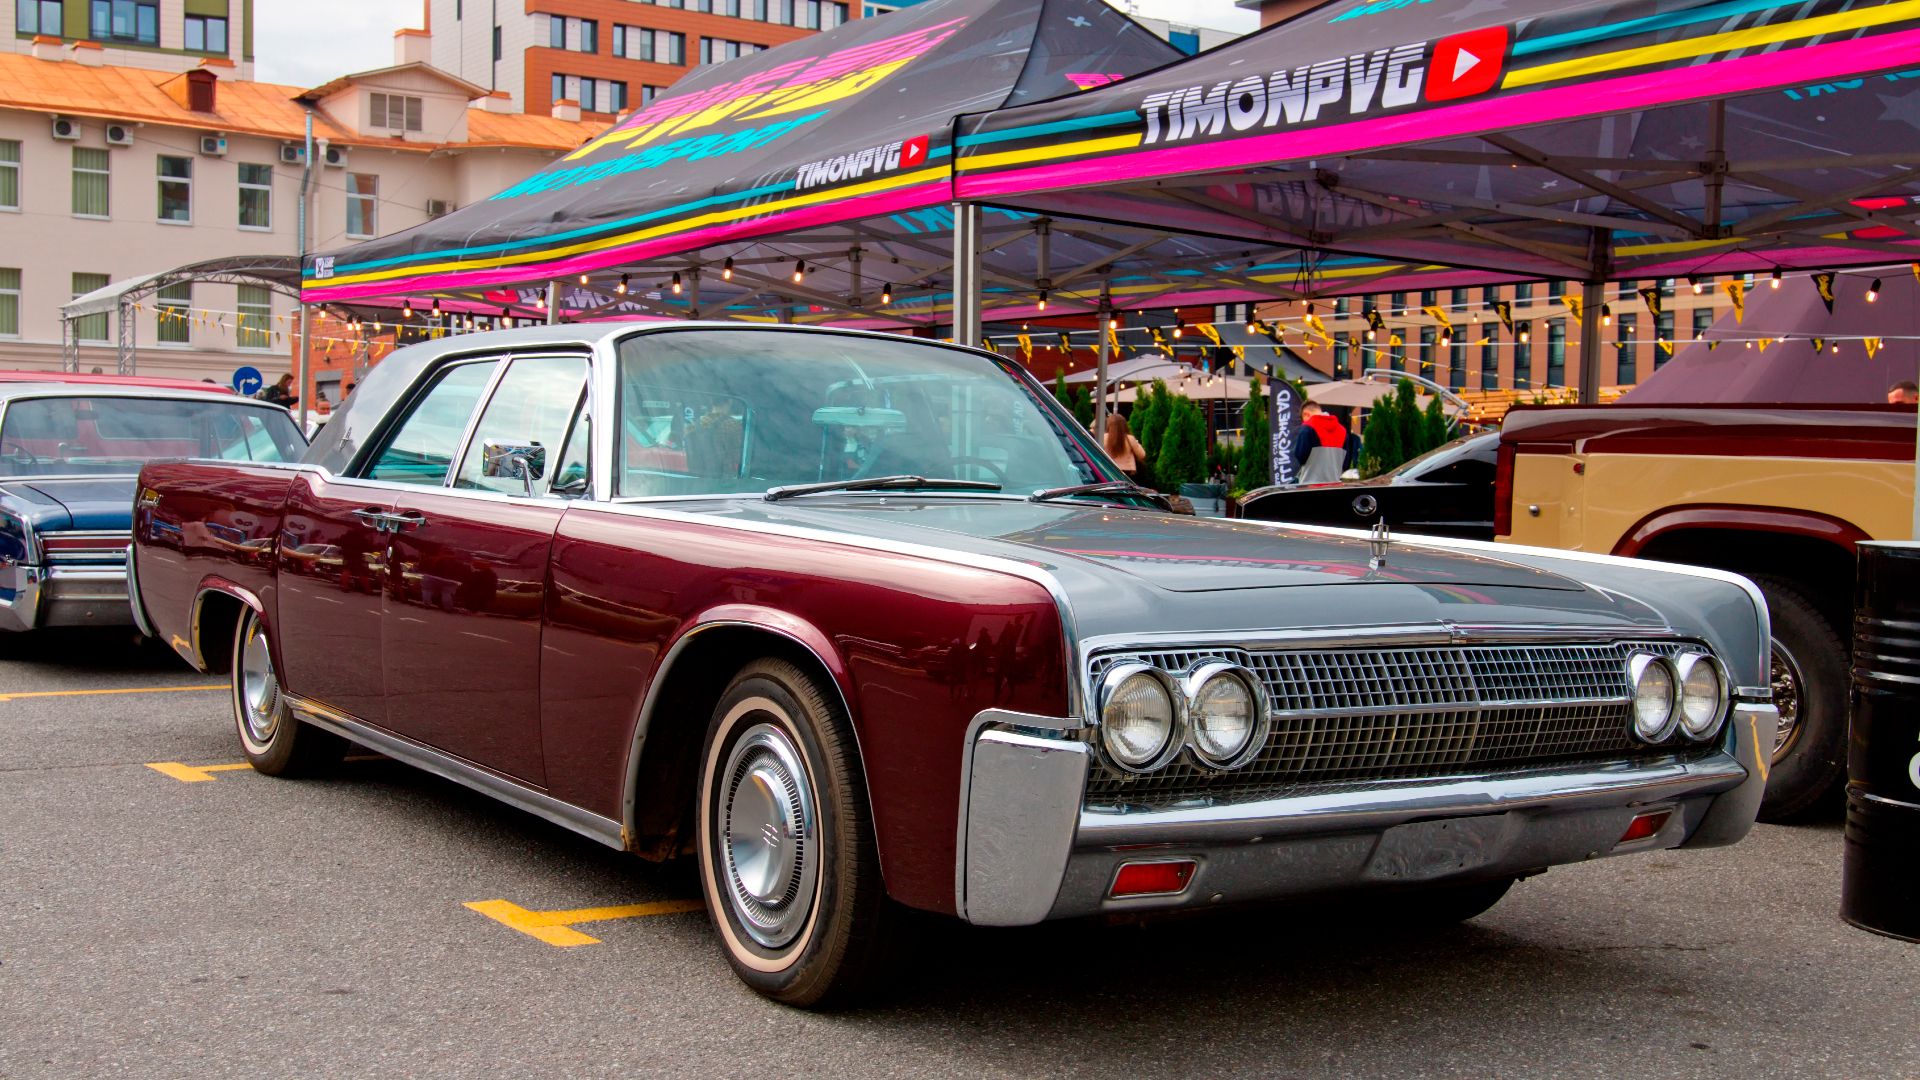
x=292, y=154
x=64, y=128
x=213, y=145
x=438, y=208
x=336, y=157
x=119, y=135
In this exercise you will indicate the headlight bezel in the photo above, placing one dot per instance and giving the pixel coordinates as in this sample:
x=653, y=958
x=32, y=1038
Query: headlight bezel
x=1638, y=665
x=1684, y=665
x=1175, y=740
x=1194, y=682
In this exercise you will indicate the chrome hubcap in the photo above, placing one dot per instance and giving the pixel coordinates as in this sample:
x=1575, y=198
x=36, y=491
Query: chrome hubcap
x=768, y=841
x=259, y=688
x=1785, y=677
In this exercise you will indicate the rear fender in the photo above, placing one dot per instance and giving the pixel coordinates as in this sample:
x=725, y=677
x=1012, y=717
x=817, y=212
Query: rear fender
x=1773, y=519
x=193, y=649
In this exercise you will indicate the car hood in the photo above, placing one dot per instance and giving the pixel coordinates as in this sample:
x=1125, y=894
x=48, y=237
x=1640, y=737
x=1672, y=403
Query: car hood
x=1128, y=570
x=104, y=502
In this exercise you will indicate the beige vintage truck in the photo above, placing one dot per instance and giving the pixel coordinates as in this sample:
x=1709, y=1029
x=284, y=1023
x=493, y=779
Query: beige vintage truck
x=1780, y=494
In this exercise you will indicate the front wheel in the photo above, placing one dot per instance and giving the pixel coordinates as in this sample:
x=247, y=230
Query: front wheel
x=788, y=864
x=271, y=739
x=1808, y=658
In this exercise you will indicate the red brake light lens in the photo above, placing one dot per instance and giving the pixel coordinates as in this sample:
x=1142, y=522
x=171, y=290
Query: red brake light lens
x=1503, y=491
x=1152, y=878
x=1646, y=825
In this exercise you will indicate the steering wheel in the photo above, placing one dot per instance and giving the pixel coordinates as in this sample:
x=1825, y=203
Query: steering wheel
x=999, y=473
x=18, y=454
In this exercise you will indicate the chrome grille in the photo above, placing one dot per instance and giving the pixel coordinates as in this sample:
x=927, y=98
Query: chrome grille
x=1347, y=715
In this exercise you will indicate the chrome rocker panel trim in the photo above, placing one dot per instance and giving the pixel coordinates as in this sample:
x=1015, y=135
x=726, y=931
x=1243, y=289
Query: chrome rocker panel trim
x=1028, y=850
x=447, y=767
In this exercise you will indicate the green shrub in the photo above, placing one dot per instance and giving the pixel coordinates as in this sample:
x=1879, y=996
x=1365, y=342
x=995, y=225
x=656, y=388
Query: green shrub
x=1183, y=447
x=1256, y=443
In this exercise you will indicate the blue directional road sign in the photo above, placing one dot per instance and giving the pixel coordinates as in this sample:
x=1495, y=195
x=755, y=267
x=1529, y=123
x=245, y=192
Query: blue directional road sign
x=248, y=380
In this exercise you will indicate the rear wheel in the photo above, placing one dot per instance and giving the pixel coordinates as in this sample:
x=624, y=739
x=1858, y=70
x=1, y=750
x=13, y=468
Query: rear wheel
x=1809, y=677
x=788, y=864
x=271, y=739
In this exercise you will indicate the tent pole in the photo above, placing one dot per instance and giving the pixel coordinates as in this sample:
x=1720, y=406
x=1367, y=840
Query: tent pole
x=1916, y=480
x=553, y=302
x=1593, y=296
x=304, y=361
x=966, y=274
x=1101, y=336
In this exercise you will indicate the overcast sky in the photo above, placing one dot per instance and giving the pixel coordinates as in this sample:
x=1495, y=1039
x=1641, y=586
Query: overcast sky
x=307, y=42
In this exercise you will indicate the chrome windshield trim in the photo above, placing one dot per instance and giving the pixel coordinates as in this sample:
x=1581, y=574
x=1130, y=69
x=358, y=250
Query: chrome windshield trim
x=1383, y=803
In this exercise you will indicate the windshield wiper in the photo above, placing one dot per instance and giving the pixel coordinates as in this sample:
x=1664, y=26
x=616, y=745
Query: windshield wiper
x=874, y=483
x=1106, y=487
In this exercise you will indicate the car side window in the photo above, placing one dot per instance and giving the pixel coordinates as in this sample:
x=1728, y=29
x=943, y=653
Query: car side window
x=574, y=477
x=531, y=407
x=422, y=448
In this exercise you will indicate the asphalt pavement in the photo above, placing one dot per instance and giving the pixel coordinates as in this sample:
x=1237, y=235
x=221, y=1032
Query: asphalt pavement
x=186, y=921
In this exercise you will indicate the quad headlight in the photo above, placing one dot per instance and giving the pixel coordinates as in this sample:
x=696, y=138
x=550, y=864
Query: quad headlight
x=1655, y=696
x=1140, y=713
x=1703, y=695
x=1226, y=714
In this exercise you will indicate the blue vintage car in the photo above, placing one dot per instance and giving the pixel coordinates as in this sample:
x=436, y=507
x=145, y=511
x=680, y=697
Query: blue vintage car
x=69, y=454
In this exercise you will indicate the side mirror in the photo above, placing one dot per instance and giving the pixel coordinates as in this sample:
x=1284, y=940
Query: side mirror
x=525, y=462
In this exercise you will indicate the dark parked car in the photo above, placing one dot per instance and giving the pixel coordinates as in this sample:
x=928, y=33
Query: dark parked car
x=70, y=447
x=1447, y=491
x=865, y=622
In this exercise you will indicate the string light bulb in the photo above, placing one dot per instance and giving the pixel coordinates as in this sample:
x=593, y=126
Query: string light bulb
x=1775, y=283
x=799, y=271
x=1694, y=280
x=676, y=283
x=1873, y=291
x=1524, y=335
x=436, y=306
x=406, y=309
x=1606, y=314
x=621, y=288
x=886, y=291
x=726, y=269
x=583, y=279
x=1043, y=300
x=1113, y=322
x=1179, y=327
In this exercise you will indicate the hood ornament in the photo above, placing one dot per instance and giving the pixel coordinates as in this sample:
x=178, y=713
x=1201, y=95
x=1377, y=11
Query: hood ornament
x=1377, y=542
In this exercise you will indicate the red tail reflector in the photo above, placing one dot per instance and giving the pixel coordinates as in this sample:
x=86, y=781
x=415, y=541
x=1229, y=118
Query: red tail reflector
x=1152, y=878
x=1645, y=825
x=1503, y=491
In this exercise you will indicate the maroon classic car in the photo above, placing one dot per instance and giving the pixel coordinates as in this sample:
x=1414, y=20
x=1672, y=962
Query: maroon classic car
x=866, y=622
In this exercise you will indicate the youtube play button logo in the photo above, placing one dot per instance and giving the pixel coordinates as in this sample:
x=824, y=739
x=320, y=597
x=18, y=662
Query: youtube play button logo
x=913, y=152
x=1466, y=64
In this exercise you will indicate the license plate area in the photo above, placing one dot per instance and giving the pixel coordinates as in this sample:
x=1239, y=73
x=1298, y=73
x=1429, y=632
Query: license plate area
x=1427, y=850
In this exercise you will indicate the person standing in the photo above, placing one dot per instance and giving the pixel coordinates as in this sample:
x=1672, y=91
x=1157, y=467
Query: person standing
x=280, y=393
x=1325, y=447
x=1123, y=448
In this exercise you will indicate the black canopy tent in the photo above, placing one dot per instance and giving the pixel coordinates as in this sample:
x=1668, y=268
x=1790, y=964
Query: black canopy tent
x=1520, y=139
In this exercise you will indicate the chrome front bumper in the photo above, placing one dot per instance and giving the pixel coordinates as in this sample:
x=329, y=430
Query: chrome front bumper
x=32, y=597
x=1030, y=850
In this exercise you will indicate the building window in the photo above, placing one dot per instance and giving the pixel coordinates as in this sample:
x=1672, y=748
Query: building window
x=9, y=174
x=176, y=189
x=719, y=50
x=1399, y=306
x=40, y=17
x=89, y=327
x=656, y=46
x=1523, y=355
x=1490, y=361
x=395, y=112
x=255, y=328
x=1426, y=350
x=133, y=21
x=1341, y=352
x=1457, y=364
x=1429, y=297
x=206, y=34
x=573, y=34
x=1627, y=364
x=172, y=307
x=90, y=182
x=497, y=53
x=648, y=93
x=1663, y=340
x=1489, y=296
x=1702, y=322
x=9, y=301
x=616, y=96
x=363, y=206
x=256, y=196
x=1556, y=352
x=1523, y=293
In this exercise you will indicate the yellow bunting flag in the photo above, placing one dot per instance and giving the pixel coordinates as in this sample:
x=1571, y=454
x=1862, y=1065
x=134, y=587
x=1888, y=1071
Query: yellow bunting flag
x=1207, y=331
x=1319, y=329
x=1113, y=340
x=1819, y=344
x=1823, y=281
x=1872, y=345
x=1574, y=305
x=1651, y=297
x=1374, y=321
x=1066, y=345
x=1737, y=292
x=1026, y=346
x=1504, y=309
x=1439, y=315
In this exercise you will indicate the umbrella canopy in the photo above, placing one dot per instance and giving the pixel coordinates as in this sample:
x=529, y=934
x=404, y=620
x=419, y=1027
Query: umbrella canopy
x=849, y=125
x=1363, y=395
x=1878, y=343
x=1198, y=388
x=1586, y=139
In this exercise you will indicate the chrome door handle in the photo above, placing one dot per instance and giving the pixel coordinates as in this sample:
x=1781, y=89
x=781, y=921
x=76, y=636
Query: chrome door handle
x=406, y=519
x=372, y=516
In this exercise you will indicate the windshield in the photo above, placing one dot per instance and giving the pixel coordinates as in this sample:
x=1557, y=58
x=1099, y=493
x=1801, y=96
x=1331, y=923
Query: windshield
x=78, y=436
x=1466, y=453
x=705, y=412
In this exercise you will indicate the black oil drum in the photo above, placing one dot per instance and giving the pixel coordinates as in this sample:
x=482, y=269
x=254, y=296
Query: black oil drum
x=1880, y=882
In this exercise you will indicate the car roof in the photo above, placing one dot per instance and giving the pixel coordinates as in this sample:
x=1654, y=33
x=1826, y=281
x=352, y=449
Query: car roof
x=103, y=379
x=14, y=391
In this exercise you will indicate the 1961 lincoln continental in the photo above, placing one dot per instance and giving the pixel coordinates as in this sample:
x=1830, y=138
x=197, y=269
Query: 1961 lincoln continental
x=867, y=622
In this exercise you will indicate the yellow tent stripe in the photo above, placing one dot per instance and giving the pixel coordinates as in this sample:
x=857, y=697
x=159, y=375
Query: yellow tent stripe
x=715, y=218
x=1044, y=153
x=1713, y=43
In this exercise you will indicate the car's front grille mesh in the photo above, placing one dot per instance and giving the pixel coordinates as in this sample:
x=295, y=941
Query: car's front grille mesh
x=1405, y=713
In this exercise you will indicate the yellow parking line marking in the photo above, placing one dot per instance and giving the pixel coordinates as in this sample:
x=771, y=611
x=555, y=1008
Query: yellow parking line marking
x=195, y=774
x=94, y=693
x=556, y=927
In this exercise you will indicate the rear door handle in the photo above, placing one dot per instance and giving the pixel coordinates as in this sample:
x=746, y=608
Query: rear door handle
x=405, y=519
x=373, y=516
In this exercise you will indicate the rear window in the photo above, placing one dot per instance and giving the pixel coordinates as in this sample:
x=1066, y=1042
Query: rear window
x=77, y=436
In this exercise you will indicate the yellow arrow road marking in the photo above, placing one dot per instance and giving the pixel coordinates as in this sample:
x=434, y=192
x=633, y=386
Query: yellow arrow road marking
x=93, y=693
x=193, y=774
x=556, y=927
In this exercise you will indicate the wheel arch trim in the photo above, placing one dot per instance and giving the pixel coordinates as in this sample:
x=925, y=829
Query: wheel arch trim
x=214, y=585
x=1667, y=521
